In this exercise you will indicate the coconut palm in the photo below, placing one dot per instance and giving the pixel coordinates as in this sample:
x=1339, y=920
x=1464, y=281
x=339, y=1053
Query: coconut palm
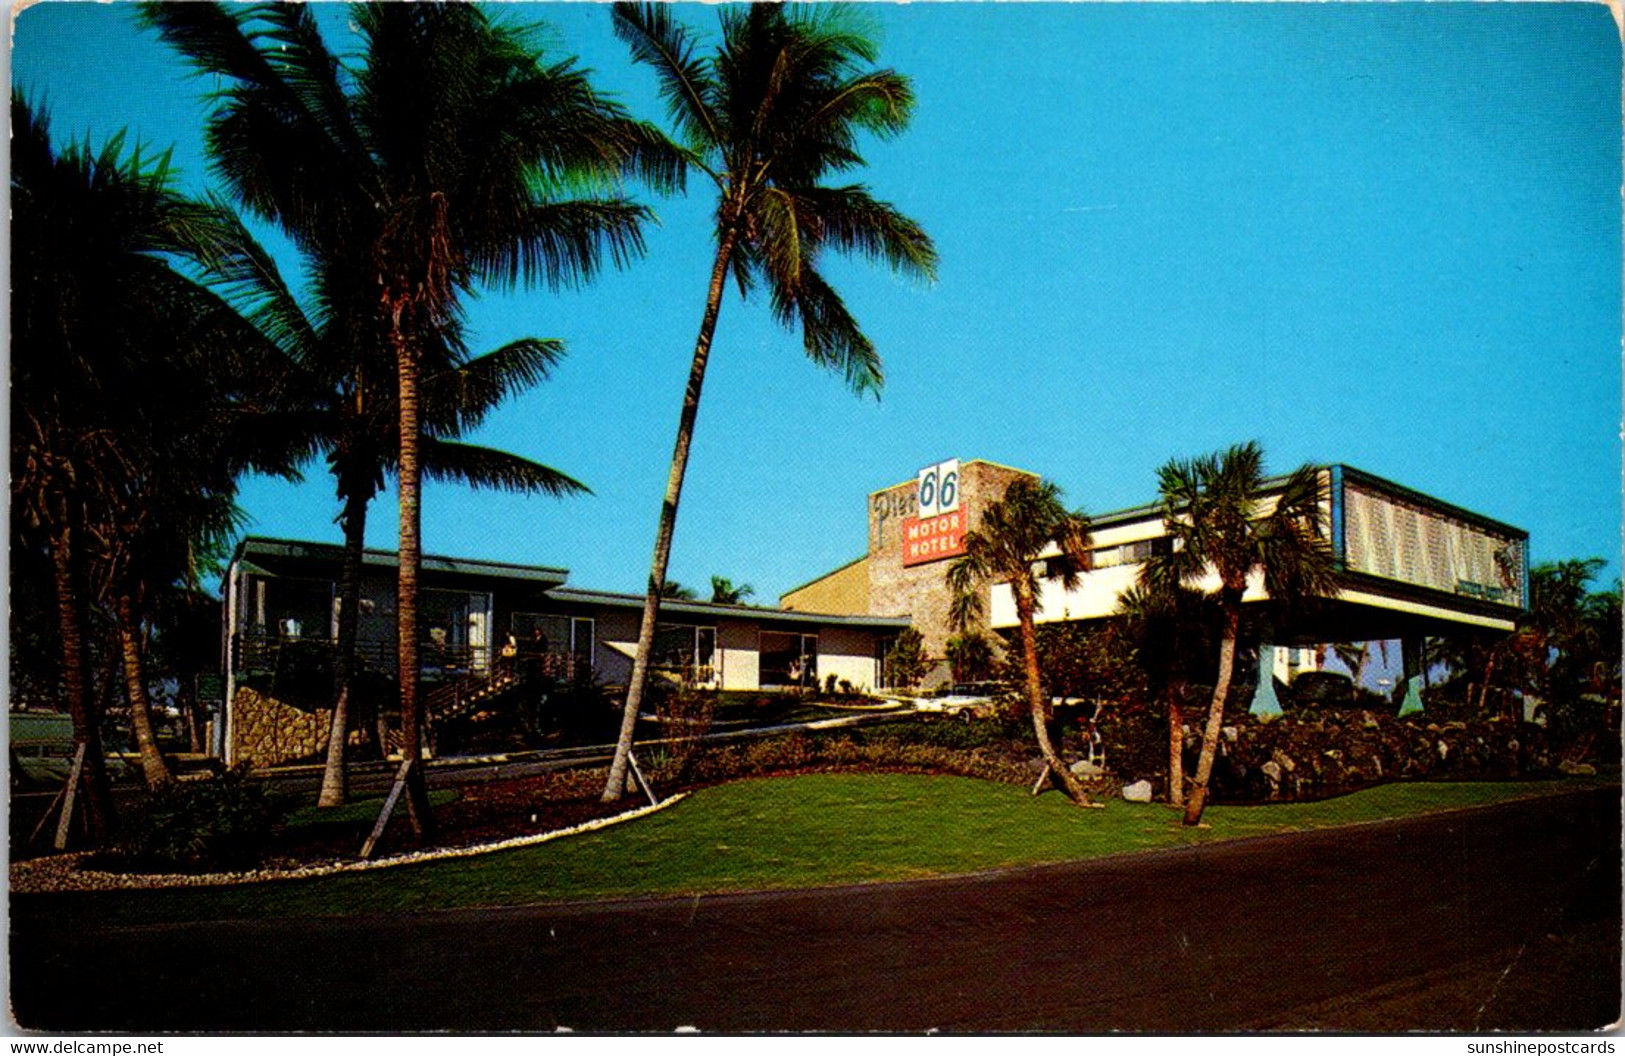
x=342, y=396
x=1227, y=523
x=120, y=364
x=771, y=116
x=445, y=162
x=723, y=591
x=1005, y=546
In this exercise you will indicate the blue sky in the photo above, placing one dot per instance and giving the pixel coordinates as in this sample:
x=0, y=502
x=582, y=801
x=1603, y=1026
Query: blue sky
x=1380, y=234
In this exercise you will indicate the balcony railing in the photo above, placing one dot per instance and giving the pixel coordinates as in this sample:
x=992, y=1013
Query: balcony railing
x=257, y=656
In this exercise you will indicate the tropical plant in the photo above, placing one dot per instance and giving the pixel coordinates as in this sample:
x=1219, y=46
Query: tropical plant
x=970, y=656
x=1227, y=521
x=905, y=660
x=676, y=591
x=128, y=380
x=773, y=114
x=1570, y=644
x=1018, y=529
x=1172, y=636
x=723, y=591
x=443, y=163
x=342, y=395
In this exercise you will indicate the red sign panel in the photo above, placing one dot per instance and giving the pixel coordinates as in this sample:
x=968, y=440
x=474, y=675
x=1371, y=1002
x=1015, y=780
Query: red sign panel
x=933, y=538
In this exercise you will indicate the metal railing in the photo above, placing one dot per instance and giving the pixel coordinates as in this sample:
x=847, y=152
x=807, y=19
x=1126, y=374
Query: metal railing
x=261, y=655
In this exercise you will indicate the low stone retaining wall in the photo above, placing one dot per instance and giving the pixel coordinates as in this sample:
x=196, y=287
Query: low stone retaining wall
x=265, y=731
x=1313, y=755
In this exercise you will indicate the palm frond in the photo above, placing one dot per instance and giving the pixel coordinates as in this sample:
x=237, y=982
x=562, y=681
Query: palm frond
x=562, y=243
x=458, y=399
x=485, y=467
x=850, y=220
x=660, y=42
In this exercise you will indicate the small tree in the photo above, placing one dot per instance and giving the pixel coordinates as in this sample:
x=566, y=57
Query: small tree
x=1013, y=534
x=723, y=591
x=1172, y=643
x=905, y=661
x=1218, y=512
x=970, y=656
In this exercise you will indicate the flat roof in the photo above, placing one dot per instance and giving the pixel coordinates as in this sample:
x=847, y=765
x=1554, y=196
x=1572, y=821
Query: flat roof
x=707, y=608
x=262, y=554
x=1351, y=475
x=254, y=550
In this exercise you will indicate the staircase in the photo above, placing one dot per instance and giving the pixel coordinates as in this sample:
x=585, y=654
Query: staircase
x=461, y=695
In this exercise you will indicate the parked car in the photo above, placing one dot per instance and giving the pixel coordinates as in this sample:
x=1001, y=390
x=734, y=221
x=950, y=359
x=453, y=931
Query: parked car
x=1323, y=689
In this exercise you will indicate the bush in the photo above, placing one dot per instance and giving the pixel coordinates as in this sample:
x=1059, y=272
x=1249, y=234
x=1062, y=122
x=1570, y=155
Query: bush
x=221, y=824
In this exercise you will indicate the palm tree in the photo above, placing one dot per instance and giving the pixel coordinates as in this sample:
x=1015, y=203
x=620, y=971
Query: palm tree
x=1224, y=523
x=723, y=591
x=969, y=655
x=769, y=117
x=1014, y=532
x=342, y=398
x=122, y=366
x=1172, y=636
x=442, y=163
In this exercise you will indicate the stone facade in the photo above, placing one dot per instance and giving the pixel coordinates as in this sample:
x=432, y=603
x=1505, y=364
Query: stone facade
x=266, y=732
x=919, y=590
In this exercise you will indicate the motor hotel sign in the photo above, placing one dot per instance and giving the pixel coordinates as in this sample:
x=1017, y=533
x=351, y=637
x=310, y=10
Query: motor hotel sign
x=937, y=530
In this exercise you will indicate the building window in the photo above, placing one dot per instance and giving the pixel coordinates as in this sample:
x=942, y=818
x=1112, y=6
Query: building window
x=686, y=651
x=788, y=659
x=562, y=646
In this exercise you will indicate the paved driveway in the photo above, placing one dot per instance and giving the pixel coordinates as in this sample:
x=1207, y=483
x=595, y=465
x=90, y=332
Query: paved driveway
x=1501, y=918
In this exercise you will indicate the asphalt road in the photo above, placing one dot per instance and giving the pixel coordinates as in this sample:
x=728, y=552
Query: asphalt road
x=1505, y=918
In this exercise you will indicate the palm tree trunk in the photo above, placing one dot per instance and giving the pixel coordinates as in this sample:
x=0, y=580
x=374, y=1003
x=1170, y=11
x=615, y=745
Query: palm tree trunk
x=70, y=613
x=1176, y=747
x=410, y=557
x=1035, y=698
x=334, y=775
x=153, y=767
x=616, y=786
x=1215, y=713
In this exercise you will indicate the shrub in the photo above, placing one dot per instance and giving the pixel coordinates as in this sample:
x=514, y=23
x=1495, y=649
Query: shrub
x=222, y=823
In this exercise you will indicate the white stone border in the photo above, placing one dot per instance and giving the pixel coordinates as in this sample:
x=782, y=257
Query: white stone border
x=61, y=872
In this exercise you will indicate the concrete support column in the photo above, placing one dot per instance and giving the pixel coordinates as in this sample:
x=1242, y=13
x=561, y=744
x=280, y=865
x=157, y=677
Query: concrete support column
x=1265, y=704
x=1410, y=652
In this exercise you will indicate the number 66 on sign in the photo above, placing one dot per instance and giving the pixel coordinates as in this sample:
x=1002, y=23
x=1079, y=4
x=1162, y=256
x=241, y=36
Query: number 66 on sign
x=938, y=490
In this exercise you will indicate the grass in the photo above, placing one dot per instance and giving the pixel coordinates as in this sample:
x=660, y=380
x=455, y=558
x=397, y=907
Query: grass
x=357, y=811
x=779, y=833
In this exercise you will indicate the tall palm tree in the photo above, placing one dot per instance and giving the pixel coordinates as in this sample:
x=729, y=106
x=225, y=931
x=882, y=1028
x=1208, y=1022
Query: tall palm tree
x=121, y=367
x=1226, y=522
x=445, y=162
x=770, y=116
x=342, y=397
x=1014, y=532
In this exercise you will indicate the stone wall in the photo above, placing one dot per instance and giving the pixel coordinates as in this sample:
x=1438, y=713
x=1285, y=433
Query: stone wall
x=266, y=732
x=1313, y=755
x=920, y=591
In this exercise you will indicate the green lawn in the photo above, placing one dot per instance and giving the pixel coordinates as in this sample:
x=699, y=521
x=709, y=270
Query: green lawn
x=778, y=833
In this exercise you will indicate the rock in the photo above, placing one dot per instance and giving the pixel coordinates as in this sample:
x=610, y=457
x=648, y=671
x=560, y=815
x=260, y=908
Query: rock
x=1086, y=768
x=1283, y=760
x=1569, y=766
x=1369, y=721
x=1272, y=770
x=1230, y=733
x=1138, y=792
x=1444, y=751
